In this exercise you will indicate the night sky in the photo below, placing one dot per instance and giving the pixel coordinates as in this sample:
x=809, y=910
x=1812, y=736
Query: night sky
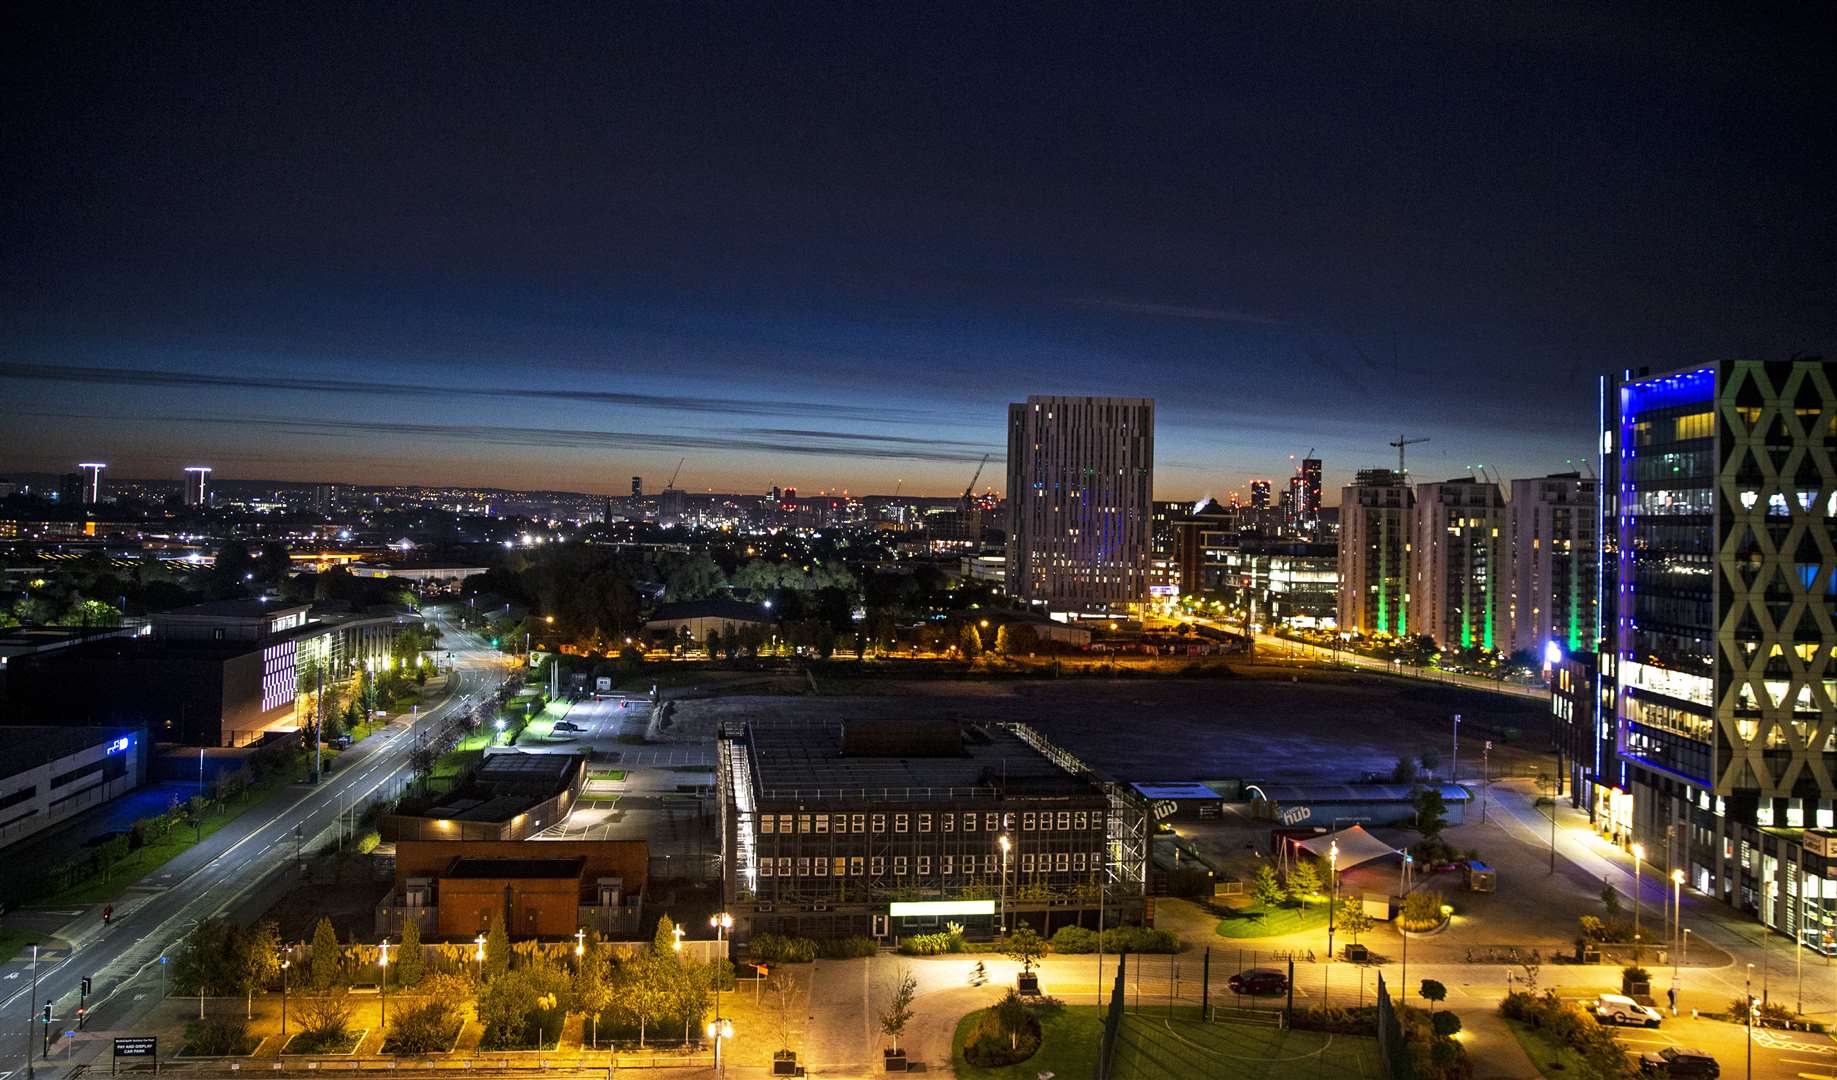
x=824, y=245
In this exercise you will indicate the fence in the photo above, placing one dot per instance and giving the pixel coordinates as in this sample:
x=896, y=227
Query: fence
x=1112, y=1021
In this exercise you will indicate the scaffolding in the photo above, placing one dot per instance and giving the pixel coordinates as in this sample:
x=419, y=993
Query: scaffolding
x=1126, y=845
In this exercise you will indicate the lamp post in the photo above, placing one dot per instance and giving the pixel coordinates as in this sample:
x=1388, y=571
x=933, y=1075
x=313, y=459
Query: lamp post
x=1454, y=763
x=1677, y=898
x=478, y=955
x=719, y=1030
x=1333, y=893
x=722, y=923
x=677, y=942
x=1639, y=853
x=1748, y=1015
x=382, y=981
x=1006, y=845
x=285, y=964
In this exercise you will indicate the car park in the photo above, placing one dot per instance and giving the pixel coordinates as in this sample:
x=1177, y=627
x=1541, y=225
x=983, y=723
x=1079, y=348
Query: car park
x=1258, y=981
x=1678, y=1061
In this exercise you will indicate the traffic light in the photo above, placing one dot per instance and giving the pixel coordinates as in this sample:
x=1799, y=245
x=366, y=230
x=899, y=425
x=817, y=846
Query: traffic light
x=86, y=985
x=47, y=1014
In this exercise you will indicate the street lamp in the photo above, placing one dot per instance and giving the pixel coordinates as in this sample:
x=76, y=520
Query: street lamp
x=1639, y=852
x=677, y=943
x=1454, y=763
x=1006, y=845
x=719, y=1030
x=382, y=980
x=722, y=923
x=500, y=727
x=1333, y=901
x=285, y=964
x=479, y=955
x=1748, y=1015
x=1677, y=897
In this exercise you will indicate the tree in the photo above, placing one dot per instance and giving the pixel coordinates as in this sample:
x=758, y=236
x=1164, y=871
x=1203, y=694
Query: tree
x=211, y=961
x=1432, y=992
x=1266, y=888
x=898, y=1013
x=258, y=961
x=1304, y=880
x=592, y=987
x=523, y=1008
x=781, y=990
x=641, y=993
x=969, y=641
x=1532, y=964
x=425, y=1027
x=1431, y=813
x=273, y=564
x=1431, y=760
x=327, y=955
x=410, y=963
x=497, y=948
x=1024, y=947
x=1610, y=899
x=1351, y=917
x=1404, y=771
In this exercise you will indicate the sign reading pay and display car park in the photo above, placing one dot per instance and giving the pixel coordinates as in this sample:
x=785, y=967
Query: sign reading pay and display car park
x=137, y=1046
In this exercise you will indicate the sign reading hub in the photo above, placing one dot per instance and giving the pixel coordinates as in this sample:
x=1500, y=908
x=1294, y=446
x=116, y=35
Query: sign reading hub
x=933, y=908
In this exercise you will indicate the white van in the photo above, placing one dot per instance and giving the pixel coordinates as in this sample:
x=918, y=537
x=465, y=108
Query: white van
x=1620, y=1009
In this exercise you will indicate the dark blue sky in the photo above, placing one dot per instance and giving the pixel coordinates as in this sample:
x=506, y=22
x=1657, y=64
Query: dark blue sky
x=824, y=245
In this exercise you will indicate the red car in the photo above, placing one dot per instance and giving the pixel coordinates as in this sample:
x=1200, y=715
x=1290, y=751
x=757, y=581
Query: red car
x=1258, y=981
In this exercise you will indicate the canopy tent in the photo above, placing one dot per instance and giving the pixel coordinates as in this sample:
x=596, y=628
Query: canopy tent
x=1355, y=846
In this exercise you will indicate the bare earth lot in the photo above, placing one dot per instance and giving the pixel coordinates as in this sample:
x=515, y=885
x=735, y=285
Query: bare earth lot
x=1261, y=726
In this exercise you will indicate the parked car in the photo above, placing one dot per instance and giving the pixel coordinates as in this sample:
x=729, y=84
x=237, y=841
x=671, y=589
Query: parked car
x=567, y=725
x=341, y=742
x=1678, y=1061
x=1258, y=981
x=1620, y=1009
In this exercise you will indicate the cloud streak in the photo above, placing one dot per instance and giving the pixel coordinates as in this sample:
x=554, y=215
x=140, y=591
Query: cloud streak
x=112, y=376
x=1191, y=312
x=745, y=440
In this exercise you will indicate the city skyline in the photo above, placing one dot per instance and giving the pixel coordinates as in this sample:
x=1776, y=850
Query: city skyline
x=1275, y=226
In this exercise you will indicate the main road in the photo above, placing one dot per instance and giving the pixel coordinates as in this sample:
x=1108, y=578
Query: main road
x=210, y=878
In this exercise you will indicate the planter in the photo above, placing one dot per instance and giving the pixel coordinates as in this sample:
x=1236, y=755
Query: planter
x=1028, y=983
x=896, y=1060
x=784, y=1063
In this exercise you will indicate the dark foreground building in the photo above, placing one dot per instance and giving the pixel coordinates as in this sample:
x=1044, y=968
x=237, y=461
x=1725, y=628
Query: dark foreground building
x=895, y=828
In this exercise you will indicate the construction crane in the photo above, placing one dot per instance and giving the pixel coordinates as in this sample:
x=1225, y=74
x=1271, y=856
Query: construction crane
x=672, y=484
x=897, y=484
x=969, y=492
x=1400, y=444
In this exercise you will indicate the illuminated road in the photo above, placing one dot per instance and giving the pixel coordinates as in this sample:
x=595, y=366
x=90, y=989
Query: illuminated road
x=210, y=878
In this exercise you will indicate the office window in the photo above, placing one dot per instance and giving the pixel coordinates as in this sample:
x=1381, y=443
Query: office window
x=924, y=822
x=988, y=864
x=803, y=866
x=821, y=866
x=1026, y=862
x=1064, y=819
x=1027, y=822
x=877, y=865
x=899, y=822
x=991, y=822
x=924, y=865
x=784, y=866
x=899, y=866
x=949, y=823
x=856, y=865
x=858, y=823
x=944, y=864
x=1062, y=861
x=1077, y=860
x=822, y=823
x=841, y=866
x=803, y=823
x=784, y=824
x=880, y=823
x=765, y=868
x=1083, y=820
x=969, y=823
x=766, y=823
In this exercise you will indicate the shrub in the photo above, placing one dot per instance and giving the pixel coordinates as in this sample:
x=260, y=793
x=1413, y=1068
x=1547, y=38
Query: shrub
x=1631, y=974
x=220, y=1035
x=1423, y=910
x=1445, y=1023
x=1002, y=1035
x=1074, y=939
x=1338, y=1021
x=368, y=842
x=926, y=945
x=848, y=948
x=779, y=949
x=1140, y=939
x=426, y=1028
x=1572, y=1026
x=324, y=1017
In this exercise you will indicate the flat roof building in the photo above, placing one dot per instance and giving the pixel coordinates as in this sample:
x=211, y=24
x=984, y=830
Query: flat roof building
x=50, y=774
x=866, y=827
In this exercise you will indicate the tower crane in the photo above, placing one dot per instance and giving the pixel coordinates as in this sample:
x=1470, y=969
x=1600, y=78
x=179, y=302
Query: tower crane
x=1400, y=444
x=969, y=492
x=679, y=463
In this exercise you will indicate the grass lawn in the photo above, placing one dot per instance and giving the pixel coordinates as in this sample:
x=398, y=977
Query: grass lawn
x=1551, y=1058
x=1259, y=922
x=1069, y=1038
x=138, y=864
x=11, y=941
x=1152, y=1047
x=613, y=775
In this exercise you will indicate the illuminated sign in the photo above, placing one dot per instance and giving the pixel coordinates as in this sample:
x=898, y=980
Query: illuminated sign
x=909, y=908
x=119, y=745
x=1163, y=590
